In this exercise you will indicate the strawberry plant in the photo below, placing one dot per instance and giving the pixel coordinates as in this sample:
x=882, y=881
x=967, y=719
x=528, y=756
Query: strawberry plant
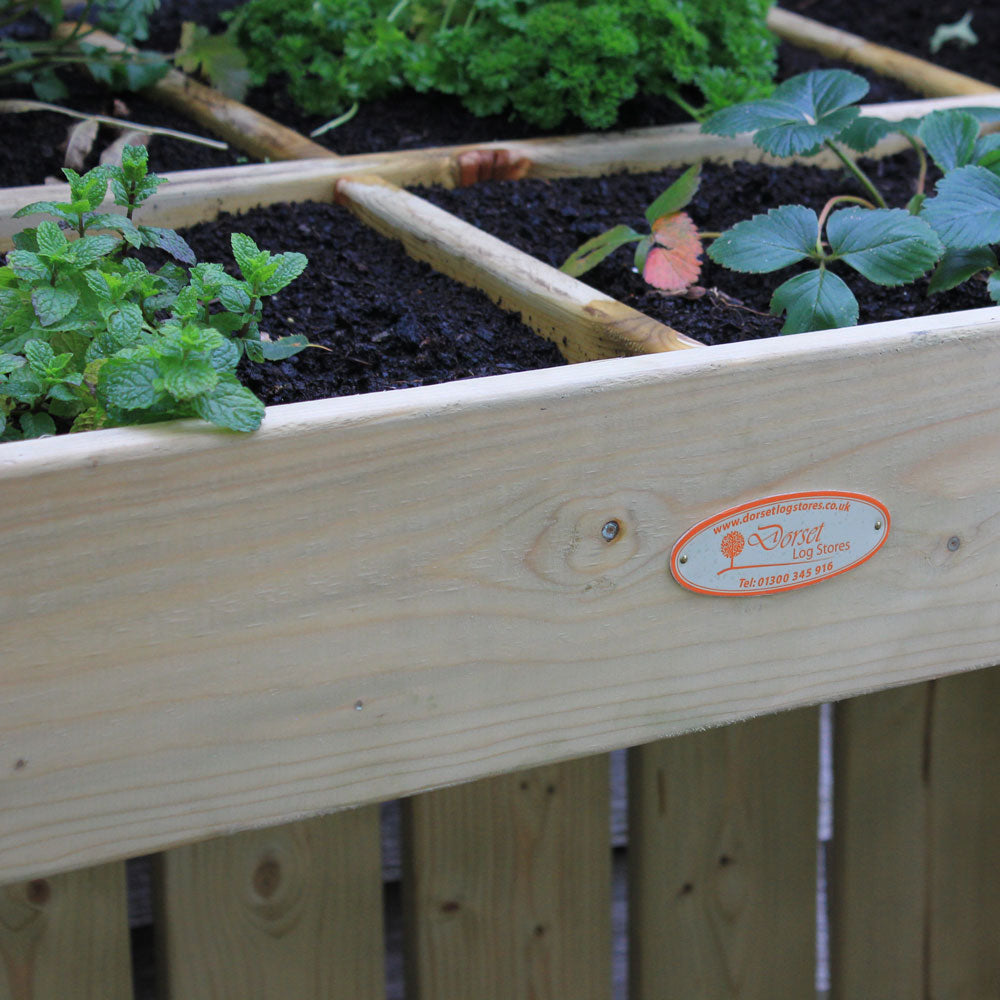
x=91, y=337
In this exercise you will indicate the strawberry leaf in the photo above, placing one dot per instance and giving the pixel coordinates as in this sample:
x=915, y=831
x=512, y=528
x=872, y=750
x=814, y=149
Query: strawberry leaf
x=591, y=253
x=888, y=246
x=674, y=262
x=965, y=211
x=784, y=236
x=950, y=138
x=957, y=266
x=815, y=300
x=677, y=196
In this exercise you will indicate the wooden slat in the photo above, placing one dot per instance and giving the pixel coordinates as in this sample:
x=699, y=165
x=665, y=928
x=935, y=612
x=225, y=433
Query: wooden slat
x=964, y=837
x=239, y=125
x=508, y=887
x=199, y=195
x=918, y=74
x=877, y=877
x=583, y=323
x=294, y=911
x=66, y=936
x=722, y=862
x=916, y=843
x=378, y=595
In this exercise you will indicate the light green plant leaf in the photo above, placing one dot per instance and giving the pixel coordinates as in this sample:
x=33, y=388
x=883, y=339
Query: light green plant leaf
x=289, y=266
x=887, y=245
x=591, y=253
x=965, y=211
x=784, y=236
x=677, y=196
x=950, y=138
x=959, y=31
x=957, y=266
x=245, y=252
x=230, y=405
x=815, y=300
x=185, y=378
x=51, y=239
x=802, y=114
x=128, y=382
x=53, y=304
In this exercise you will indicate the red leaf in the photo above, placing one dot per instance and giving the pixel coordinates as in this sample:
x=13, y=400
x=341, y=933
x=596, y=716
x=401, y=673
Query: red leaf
x=674, y=262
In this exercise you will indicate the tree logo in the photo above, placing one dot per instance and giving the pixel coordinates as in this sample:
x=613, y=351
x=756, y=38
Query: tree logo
x=732, y=546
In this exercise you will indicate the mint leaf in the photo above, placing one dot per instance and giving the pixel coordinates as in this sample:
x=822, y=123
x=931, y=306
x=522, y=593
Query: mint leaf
x=802, y=114
x=52, y=304
x=185, y=378
x=51, y=239
x=230, y=405
x=784, y=236
x=965, y=211
x=129, y=383
x=887, y=246
x=36, y=425
x=289, y=266
x=245, y=251
x=677, y=196
x=815, y=300
x=950, y=138
x=591, y=253
x=957, y=266
x=168, y=240
x=27, y=266
x=90, y=249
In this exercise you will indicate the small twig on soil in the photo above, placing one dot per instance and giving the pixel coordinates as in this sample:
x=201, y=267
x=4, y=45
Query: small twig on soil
x=19, y=106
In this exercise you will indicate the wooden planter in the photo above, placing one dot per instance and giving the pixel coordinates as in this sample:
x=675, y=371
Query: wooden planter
x=375, y=596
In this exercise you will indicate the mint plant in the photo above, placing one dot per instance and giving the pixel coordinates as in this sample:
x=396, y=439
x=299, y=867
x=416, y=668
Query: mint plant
x=90, y=337
x=888, y=246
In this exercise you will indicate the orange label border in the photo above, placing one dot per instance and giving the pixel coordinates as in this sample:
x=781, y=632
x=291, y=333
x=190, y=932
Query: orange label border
x=778, y=498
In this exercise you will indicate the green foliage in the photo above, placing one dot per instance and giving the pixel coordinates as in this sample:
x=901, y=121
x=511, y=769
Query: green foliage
x=541, y=59
x=90, y=337
x=953, y=230
x=35, y=62
x=668, y=256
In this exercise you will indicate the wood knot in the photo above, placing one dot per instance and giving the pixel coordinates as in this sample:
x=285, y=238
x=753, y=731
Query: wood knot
x=267, y=878
x=39, y=892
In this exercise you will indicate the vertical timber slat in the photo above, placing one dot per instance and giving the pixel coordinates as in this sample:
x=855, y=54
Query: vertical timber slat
x=915, y=911
x=722, y=862
x=66, y=935
x=964, y=947
x=292, y=911
x=877, y=877
x=507, y=887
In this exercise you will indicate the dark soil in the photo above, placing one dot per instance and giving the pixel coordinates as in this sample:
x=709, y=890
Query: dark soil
x=549, y=219
x=387, y=320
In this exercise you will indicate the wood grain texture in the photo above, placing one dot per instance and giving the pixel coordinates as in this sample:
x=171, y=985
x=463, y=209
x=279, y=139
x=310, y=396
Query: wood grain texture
x=189, y=619
x=508, y=887
x=583, y=323
x=918, y=74
x=878, y=877
x=66, y=936
x=914, y=902
x=294, y=911
x=722, y=862
x=241, y=126
x=198, y=195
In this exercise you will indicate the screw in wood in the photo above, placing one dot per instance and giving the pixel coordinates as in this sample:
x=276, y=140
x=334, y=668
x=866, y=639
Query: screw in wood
x=610, y=530
x=954, y=543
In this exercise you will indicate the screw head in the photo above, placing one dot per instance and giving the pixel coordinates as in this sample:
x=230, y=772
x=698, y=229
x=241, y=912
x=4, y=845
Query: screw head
x=682, y=560
x=954, y=543
x=878, y=525
x=610, y=530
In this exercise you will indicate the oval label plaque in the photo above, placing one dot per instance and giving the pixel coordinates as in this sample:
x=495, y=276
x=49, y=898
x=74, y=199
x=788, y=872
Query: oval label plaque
x=780, y=543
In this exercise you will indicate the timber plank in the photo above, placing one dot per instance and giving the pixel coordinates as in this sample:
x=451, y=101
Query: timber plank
x=507, y=885
x=722, y=861
x=199, y=195
x=918, y=74
x=294, y=911
x=917, y=805
x=428, y=568
x=66, y=936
